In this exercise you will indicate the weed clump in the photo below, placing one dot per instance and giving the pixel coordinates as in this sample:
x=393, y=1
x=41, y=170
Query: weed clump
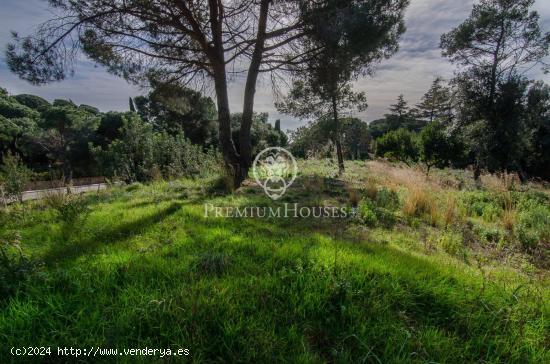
x=354, y=197
x=387, y=198
x=418, y=203
x=71, y=210
x=212, y=264
x=450, y=213
x=533, y=224
x=371, y=214
x=452, y=243
x=367, y=212
x=15, y=267
x=134, y=187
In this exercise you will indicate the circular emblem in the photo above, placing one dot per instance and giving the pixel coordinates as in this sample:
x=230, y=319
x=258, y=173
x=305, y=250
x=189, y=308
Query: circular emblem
x=275, y=170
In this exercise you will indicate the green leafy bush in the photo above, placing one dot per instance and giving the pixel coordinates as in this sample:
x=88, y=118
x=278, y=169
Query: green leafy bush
x=372, y=215
x=143, y=154
x=400, y=145
x=490, y=212
x=488, y=234
x=366, y=211
x=387, y=198
x=480, y=203
x=451, y=242
x=133, y=187
x=71, y=210
x=385, y=216
x=14, y=176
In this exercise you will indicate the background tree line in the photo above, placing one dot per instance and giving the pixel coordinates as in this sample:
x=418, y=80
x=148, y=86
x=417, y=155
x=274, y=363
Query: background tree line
x=490, y=115
x=438, y=133
x=170, y=132
x=181, y=42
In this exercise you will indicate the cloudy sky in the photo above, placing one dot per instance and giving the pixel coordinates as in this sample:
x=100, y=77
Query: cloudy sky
x=409, y=72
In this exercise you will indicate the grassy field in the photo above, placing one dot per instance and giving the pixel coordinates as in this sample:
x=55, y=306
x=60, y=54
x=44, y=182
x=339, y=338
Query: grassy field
x=437, y=269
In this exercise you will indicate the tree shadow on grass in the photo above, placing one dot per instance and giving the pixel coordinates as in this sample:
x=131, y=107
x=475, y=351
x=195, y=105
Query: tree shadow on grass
x=111, y=234
x=417, y=289
x=414, y=301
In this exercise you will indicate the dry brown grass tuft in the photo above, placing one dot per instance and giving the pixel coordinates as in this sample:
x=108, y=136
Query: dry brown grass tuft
x=501, y=182
x=55, y=198
x=450, y=214
x=371, y=191
x=418, y=203
x=395, y=177
x=509, y=220
x=354, y=197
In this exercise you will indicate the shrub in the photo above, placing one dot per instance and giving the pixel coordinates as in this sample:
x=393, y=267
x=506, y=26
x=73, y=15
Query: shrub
x=386, y=217
x=143, y=154
x=367, y=212
x=452, y=243
x=133, y=187
x=399, y=145
x=488, y=234
x=222, y=184
x=372, y=215
x=482, y=204
x=72, y=210
x=527, y=237
x=14, y=176
x=533, y=224
x=387, y=198
x=490, y=212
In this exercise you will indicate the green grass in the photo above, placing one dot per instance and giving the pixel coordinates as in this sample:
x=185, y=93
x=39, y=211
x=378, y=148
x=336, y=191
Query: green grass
x=147, y=269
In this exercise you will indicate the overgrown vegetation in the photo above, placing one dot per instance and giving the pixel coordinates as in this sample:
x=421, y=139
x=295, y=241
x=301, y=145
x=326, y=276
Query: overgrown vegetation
x=15, y=268
x=71, y=211
x=425, y=270
x=424, y=264
x=14, y=176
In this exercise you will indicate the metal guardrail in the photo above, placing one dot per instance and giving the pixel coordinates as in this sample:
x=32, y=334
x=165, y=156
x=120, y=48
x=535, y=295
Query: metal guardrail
x=38, y=194
x=43, y=185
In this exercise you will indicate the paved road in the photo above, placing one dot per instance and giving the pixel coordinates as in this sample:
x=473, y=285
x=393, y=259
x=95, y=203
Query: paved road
x=38, y=194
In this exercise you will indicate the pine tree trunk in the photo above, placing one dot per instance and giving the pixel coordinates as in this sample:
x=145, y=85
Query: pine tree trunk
x=339, y=153
x=250, y=92
x=230, y=156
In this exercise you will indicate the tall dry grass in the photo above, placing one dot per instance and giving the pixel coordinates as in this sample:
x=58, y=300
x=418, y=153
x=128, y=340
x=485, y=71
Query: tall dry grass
x=419, y=202
x=450, y=212
x=354, y=197
x=503, y=185
x=395, y=176
x=419, y=199
x=501, y=182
